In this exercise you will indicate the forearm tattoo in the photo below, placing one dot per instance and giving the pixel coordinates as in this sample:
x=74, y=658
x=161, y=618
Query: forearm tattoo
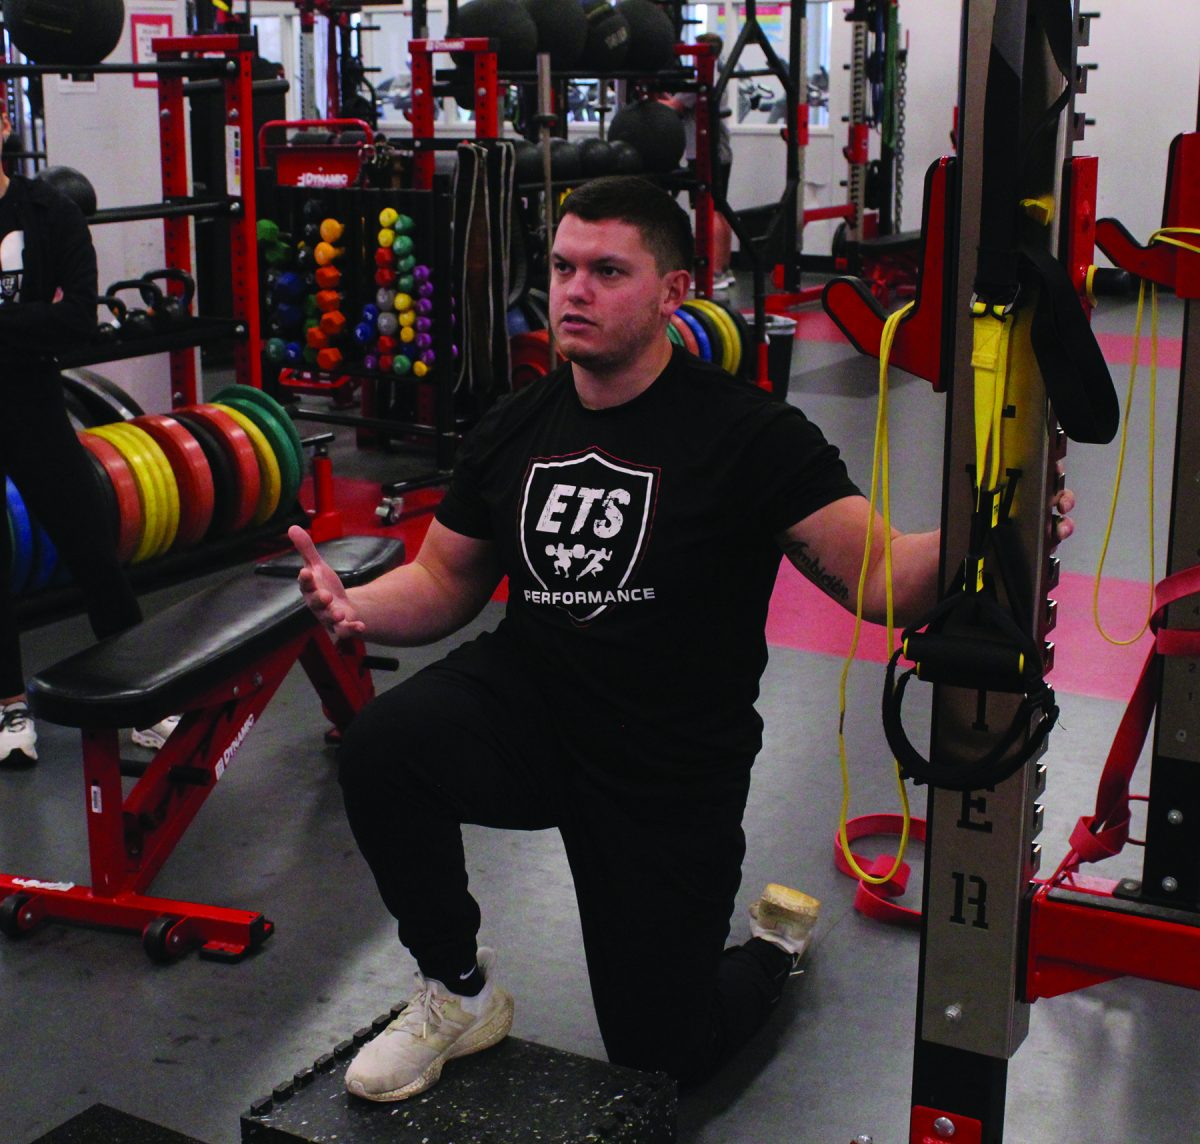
x=799, y=553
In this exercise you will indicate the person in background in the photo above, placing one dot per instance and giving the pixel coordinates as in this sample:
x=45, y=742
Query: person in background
x=684, y=103
x=48, y=304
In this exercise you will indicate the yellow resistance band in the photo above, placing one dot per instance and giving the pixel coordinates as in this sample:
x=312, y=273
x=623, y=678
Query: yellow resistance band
x=879, y=480
x=1165, y=235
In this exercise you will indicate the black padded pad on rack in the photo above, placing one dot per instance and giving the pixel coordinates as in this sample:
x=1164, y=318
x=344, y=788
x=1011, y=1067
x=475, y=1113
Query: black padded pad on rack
x=167, y=662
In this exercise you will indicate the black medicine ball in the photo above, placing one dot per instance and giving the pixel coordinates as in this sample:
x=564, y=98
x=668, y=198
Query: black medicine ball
x=65, y=31
x=626, y=160
x=564, y=160
x=561, y=29
x=505, y=21
x=607, y=42
x=596, y=157
x=528, y=168
x=654, y=130
x=651, y=35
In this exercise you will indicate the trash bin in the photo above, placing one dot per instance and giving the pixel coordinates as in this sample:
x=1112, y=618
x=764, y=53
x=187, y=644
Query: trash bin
x=781, y=334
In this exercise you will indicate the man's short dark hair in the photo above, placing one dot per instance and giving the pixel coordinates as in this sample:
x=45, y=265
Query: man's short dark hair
x=664, y=225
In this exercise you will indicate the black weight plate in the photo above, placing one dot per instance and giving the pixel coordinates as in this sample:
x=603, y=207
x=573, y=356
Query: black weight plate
x=77, y=412
x=224, y=476
x=106, y=401
x=748, y=366
x=112, y=507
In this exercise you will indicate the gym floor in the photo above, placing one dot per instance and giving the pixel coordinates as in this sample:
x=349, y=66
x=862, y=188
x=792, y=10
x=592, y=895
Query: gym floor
x=87, y=1018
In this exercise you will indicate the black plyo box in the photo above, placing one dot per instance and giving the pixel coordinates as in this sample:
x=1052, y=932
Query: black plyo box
x=516, y=1093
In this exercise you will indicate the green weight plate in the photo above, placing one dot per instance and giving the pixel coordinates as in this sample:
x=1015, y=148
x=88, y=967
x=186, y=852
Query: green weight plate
x=277, y=437
x=251, y=393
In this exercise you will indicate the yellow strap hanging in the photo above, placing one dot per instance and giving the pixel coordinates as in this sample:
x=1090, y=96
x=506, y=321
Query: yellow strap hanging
x=992, y=333
x=1164, y=235
x=880, y=466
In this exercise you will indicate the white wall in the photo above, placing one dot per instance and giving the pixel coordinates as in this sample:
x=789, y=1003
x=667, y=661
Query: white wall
x=108, y=129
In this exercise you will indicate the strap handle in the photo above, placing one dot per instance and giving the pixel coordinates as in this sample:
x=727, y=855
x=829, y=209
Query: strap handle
x=874, y=900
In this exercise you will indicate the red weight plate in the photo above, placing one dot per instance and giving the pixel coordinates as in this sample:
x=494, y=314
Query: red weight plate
x=125, y=487
x=241, y=452
x=685, y=332
x=224, y=475
x=192, y=474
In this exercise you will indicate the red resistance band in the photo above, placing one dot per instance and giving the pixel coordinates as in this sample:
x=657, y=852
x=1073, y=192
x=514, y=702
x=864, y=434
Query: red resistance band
x=1104, y=833
x=870, y=899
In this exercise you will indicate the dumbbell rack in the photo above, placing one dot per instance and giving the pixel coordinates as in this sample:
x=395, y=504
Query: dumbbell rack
x=227, y=58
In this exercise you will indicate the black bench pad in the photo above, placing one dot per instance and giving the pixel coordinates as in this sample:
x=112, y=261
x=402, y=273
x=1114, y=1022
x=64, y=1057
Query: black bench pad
x=159, y=667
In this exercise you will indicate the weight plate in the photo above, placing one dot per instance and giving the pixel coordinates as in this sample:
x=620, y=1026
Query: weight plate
x=191, y=473
x=45, y=559
x=703, y=349
x=715, y=333
x=241, y=453
x=745, y=331
x=107, y=494
x=673, y=336
x=78, y=414
x=268, y=465
x=686, y=336
x=277, y=438
x=147, y=490
x=164, y=483
x=22, y=533
x=731, y=343
x=120, y=480
x=738, y=334
x=221, y=469
x=106, y=400
x=258, y=397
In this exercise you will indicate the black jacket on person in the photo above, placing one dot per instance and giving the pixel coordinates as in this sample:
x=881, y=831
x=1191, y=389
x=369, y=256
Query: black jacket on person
x=59, y=255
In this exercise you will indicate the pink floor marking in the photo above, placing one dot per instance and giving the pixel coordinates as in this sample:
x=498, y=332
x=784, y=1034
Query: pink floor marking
x=803, y=617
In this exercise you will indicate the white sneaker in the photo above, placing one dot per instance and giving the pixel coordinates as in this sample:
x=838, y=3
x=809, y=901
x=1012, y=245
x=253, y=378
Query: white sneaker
x=18, y=736
x=724, y=281
x=785, y=917
x=155, y=736
x=435, y=1027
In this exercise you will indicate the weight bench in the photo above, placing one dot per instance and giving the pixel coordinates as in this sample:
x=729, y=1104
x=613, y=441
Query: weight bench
x=216, y=658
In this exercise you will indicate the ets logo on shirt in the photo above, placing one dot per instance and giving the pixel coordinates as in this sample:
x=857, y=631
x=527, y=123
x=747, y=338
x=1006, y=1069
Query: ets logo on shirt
x=585, y=521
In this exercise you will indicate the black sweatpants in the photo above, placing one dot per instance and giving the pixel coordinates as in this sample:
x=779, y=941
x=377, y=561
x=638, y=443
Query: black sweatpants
x=40, y=452
x=475, y=739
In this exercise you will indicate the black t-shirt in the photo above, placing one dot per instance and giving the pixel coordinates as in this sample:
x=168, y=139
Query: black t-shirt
x=12, y=247
x=639, y=546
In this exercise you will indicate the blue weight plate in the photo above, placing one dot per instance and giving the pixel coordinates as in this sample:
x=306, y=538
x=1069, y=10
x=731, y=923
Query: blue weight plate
x=698, y=332
x=22, y=530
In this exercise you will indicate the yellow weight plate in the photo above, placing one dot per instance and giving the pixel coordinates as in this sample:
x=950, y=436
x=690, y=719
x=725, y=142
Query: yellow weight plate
x=731, y=356
x=144, y=483
x=165, y=483
x=717, y=337
x=268, y=465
